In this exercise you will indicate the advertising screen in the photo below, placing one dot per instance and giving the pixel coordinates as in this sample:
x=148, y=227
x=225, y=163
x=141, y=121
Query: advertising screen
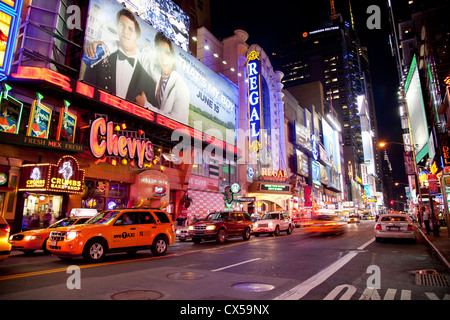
x=127, y=57
x=416, y=108
x=331, y=144
x=163, y=15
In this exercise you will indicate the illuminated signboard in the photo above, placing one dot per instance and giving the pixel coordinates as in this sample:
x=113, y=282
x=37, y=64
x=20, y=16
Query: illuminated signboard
x=71, y=85
x=67, y=125
x=64, y=176
x=40, y=119
x=315, y=147
x=10, y=112
x=254, y=100
x=118, y=145
x=160, y=77
x=164, y=15
x=9, y=21
x=275, y=187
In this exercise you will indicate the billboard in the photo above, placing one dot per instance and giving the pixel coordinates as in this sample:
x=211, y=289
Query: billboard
x=331, y=144
x=127, y=57
x=163, y=15
x=416, y=109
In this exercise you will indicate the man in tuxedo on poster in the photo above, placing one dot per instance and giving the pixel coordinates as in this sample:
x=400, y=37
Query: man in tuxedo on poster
x=121, y=73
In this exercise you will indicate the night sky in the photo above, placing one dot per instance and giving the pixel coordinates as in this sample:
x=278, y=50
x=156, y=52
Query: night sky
x=271, y=23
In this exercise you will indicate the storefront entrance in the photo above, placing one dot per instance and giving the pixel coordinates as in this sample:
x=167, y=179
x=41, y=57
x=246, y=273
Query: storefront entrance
x=41, y=209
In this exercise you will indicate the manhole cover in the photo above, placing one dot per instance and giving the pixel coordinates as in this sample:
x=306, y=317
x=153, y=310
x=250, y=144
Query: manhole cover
x=431, y=279
x=186, y=276
x=252, y=287
x=137, y=295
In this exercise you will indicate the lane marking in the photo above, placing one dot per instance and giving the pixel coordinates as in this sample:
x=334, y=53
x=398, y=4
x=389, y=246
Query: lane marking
x=305, y=287
x=236, y=264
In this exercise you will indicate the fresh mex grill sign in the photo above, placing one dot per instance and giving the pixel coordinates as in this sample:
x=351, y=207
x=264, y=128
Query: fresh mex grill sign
x=64, y=176
x=103, y=141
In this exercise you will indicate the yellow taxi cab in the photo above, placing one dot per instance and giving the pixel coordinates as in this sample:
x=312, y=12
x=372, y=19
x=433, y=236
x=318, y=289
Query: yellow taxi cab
x=326, y=224
x=121, y=230
x=5, y=246
x=32, y=240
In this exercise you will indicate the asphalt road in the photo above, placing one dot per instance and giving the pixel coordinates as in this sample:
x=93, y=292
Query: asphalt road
x=350, y=266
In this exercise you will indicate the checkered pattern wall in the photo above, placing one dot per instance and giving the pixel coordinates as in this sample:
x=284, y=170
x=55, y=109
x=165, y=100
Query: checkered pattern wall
x=203, y=202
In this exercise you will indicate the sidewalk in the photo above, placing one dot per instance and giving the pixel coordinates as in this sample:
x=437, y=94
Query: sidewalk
x=441, y=244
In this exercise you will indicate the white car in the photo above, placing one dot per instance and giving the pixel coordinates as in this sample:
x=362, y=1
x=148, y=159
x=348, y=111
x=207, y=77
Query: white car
x=273, y=223
x=394, y=226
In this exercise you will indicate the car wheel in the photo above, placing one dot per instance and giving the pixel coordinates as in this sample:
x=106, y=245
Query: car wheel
x=289, y=230
x=44, y=247
x=246, y=235
x=159, y=246
x=276, y=233
x=95, y=250
x=221, y=236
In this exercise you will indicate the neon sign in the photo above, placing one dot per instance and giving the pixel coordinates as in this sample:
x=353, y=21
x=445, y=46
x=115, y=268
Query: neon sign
x=315, y=147
x=9, y=20
x=254, y=100
x=117, y=145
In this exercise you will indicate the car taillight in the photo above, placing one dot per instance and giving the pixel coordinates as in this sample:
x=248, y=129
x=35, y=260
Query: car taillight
x=5, y=228
x=410, y=227
x=378, y=227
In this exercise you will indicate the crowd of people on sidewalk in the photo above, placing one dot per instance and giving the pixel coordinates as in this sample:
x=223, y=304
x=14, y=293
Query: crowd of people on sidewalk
x=428, y=221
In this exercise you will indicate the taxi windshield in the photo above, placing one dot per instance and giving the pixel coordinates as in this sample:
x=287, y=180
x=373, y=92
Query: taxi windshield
x=270, y=216
x=64, y=223
x=103, y=217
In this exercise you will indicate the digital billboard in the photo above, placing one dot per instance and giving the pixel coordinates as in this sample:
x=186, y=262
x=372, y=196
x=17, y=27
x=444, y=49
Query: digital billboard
x=127, y=57
x=416, y=109
x=163, y=15
x=331, y=144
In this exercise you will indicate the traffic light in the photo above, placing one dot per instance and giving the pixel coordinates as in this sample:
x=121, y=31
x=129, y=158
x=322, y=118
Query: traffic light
x=392, y=202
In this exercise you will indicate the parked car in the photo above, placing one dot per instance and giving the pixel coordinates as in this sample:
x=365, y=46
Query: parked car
x=395, y=226
x=222, y=225
x=121, y=230
x=273, y=223
x=5, y=246
x=32, y=240
x=326, y=224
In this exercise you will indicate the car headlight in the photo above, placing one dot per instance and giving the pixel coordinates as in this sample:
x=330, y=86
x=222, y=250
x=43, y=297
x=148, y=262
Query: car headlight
x=72, y=235
x=29, y=238
x=210, y=227
x=270, y=224
x=191, y=228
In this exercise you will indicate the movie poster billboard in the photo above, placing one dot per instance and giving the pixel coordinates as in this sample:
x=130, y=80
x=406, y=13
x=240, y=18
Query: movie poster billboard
x=66, y=126
x=39, y=122
x=10, y=114
x=163, y=15
x=127, y=57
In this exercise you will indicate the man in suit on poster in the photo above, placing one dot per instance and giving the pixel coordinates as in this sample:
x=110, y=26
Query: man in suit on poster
x=121, y=73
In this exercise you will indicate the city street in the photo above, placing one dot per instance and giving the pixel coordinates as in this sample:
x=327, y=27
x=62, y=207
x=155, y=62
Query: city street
x=350, y=266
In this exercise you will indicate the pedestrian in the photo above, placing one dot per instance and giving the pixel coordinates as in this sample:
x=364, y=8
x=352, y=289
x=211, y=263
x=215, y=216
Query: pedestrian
x=426, y=219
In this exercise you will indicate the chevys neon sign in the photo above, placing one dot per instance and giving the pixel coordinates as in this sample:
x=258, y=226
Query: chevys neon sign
x=117, y=145
x=74, y=86
x=254, y=99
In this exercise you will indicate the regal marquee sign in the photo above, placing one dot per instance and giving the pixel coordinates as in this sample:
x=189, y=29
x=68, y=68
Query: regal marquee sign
x=254, y=100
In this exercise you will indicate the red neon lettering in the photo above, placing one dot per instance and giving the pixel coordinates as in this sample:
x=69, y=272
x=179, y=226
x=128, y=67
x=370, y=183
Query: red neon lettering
x=85, y=90
x=58, y=79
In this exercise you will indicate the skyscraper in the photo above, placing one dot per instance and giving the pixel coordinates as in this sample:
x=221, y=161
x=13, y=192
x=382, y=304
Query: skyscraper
x=334, y=56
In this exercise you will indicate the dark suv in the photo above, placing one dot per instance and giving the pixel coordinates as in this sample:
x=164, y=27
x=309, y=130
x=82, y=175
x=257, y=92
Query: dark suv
x=221, y=225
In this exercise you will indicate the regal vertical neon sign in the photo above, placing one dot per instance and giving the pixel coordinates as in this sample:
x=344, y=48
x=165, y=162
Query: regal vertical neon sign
x=254, y=100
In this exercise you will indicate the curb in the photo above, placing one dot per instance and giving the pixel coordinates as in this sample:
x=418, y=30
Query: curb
x=435, y=249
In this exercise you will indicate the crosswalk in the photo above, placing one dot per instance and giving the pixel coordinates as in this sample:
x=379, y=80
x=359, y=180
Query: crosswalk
x=349, y=292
